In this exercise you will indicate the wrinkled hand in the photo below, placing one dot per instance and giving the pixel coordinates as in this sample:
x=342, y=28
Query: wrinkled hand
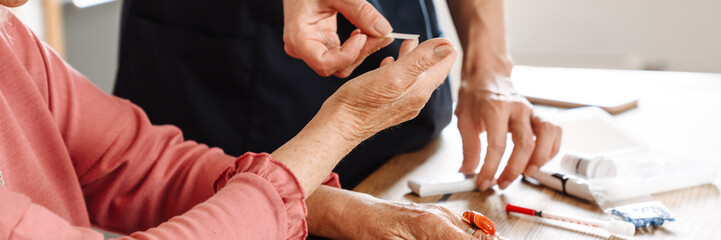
x=310, y=34
x=342, y=214
x=392, y=220
x=395, y=92
x=498, y=112
x=363, y=106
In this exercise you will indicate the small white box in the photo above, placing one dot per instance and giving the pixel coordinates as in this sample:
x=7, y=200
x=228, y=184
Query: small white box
x=443, y=184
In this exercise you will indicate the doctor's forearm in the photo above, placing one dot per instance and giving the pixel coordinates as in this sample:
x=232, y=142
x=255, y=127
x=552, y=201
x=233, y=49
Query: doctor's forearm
x=482, y=31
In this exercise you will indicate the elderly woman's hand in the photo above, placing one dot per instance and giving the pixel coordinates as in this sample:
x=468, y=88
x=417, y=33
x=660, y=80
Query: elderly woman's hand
x=395, y=220
x=342, y=214
x=397, y=91
x=389, y=95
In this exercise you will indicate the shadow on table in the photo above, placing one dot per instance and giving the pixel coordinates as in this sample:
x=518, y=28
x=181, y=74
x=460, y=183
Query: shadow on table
x=397, y=168
x=560, y=226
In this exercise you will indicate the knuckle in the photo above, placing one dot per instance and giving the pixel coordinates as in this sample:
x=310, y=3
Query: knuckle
x=412, y=71
x=342, y=74
x=540, y=157
x=523, y=105
x=513, y=171
x=366, y=11
x=291, y=36
x=464, y=122
x=548, y=127
x=526, y=142
x=286, y=36
x=468, y=148
x=420, y=65
x=323, y=71
x=393, y=88
x=427, y=217
x=394, y=84
x=322, y=66
x=535, y=120
x=445, y=210
x=289, y=52
x=497, y=144
x=427, y=61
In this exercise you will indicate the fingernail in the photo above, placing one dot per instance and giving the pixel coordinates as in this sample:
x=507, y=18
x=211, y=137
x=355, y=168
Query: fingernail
x=362, y=38
x=383, y=27
x=484, y=185
x=443, y=50
x=531, y=170
x=504, y=184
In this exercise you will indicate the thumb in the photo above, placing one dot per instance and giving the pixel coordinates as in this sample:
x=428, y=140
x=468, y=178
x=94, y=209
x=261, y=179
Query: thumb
x=363, y=15
x=433, y=56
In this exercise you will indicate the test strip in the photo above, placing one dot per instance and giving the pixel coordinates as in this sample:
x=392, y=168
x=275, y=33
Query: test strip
x=402, y=36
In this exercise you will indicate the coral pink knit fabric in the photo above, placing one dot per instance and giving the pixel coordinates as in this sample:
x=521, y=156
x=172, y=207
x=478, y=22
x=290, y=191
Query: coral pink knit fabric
x=73, y=157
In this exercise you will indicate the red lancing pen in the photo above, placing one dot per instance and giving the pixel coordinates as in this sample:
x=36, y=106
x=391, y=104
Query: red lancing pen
x=615, y=227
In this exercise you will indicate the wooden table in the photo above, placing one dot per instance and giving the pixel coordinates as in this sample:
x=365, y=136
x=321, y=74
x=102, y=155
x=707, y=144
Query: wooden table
x=678, y=111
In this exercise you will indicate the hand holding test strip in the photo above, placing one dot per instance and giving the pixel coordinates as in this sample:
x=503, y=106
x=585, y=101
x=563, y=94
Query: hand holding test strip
x=402, y=36
x=310, y=34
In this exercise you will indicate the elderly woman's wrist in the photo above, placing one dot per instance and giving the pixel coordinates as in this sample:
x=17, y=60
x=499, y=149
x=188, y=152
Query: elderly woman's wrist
x=357, y=211
x=345, y=122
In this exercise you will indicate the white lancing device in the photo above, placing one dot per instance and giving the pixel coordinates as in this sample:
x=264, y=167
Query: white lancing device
x=466, y=182
x=443, y=184
x=568, y=184
x=402, y=36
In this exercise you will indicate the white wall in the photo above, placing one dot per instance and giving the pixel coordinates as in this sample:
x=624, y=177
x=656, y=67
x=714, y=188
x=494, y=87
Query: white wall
x=624, y=34
x=91, y=36
x=32, y=15
x=680, y=35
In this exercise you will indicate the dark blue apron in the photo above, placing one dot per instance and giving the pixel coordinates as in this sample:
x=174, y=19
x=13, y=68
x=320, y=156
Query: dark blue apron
x=217, y=69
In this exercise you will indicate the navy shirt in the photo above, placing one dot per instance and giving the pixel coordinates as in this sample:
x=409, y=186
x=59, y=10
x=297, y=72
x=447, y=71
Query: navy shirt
x=218, y=70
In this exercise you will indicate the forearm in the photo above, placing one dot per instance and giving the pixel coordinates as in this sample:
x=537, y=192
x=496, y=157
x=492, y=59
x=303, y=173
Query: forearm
x=314, y=152
x=481, y=29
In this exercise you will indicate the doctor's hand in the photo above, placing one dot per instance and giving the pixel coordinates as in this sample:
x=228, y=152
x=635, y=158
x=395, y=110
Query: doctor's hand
x=494, y=106
x=310, y=34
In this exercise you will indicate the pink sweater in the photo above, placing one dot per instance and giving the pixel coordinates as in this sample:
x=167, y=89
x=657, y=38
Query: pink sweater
x=72, y=156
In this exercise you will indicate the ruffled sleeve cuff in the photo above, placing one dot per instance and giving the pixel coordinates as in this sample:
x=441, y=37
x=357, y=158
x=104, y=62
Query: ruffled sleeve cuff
x=332, y=180
x=284, y=183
